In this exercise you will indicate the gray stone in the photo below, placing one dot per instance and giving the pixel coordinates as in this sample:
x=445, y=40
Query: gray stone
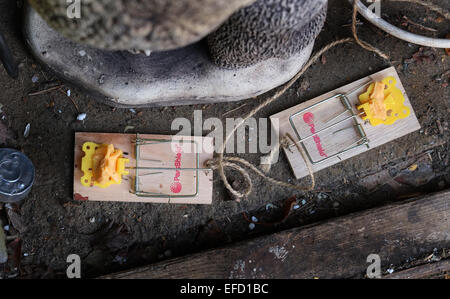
x=267, y=29
x=136, y=24
x=178, y=77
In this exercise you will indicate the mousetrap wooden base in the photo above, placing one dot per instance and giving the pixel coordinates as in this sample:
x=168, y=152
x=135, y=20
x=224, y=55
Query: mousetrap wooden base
x=167, y=170
x=330, y=127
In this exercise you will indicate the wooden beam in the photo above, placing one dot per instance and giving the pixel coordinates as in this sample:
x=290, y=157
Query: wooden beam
x=337, y=248
x=433, y=270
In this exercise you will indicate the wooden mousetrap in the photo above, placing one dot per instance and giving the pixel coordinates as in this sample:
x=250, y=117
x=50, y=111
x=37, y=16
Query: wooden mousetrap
x=157, y=169
x=331, y=128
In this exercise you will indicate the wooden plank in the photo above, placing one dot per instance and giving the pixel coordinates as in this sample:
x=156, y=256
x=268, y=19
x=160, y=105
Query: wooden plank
x=341, y=136
x=432, y=270
x=334, y=249
x=158, y=181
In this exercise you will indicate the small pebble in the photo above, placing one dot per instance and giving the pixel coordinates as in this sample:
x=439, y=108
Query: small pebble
x=322, y=196
x=435, y=258
x=390, y=271
x=82, y=53
x=81, y=116
x=303, y=202
x=6, y=227
x=251, y=226
x=27, y=130
x=269, y=206
x=92, y=220
x=35, y=79
x=254, y=219
x=68, y=92
x=296, y=207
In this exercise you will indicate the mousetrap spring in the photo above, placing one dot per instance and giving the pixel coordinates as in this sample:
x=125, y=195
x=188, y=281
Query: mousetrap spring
x=343, y=98
x=140, y=143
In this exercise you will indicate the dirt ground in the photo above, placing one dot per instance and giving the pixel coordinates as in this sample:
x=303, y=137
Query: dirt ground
x=49, y=225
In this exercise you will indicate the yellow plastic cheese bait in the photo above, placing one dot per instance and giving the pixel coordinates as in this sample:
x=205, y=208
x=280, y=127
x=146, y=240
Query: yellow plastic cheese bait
x=383, y=103
x=102, y=165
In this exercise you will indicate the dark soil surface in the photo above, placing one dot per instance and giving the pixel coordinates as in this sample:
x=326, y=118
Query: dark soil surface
x=49, y=225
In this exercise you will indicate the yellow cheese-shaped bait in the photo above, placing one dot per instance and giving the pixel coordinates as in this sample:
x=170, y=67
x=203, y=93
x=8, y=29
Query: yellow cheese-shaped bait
x=102, y=165
x=393, y=103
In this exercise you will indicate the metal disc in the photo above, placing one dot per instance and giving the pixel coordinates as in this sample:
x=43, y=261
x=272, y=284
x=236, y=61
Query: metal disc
x=16, y=175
